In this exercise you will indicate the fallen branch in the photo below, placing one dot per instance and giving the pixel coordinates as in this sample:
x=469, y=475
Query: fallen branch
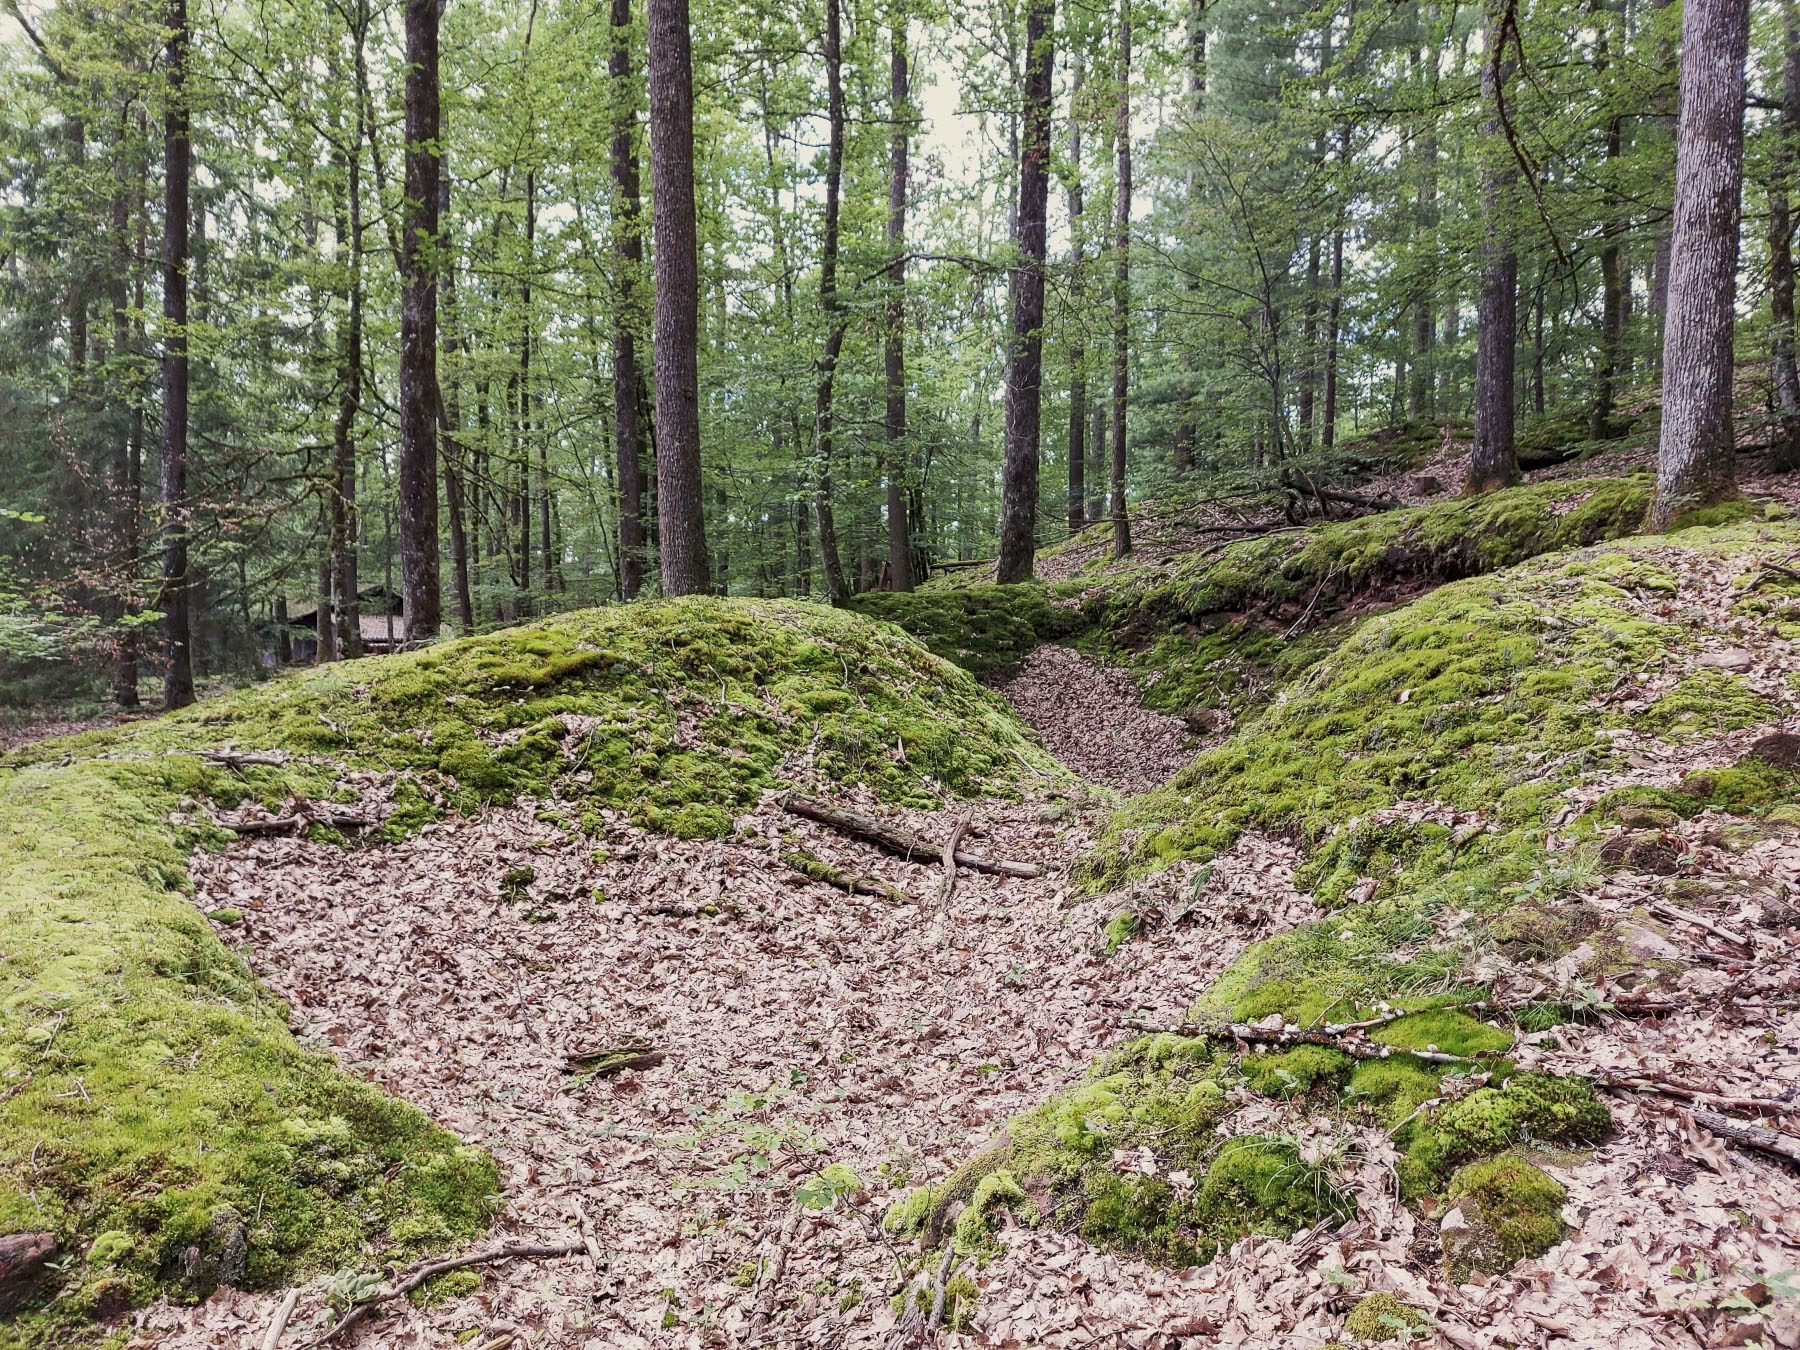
x=239, y=759
x=809, y=865
x=279, y=1325
x=607, y=1060
x=939, y=1285
x=1680, y=1091
x=1745, y=1135
x=947, y=892
x=430, y=1270
x=1352, y=1043
x=895, y=839
x=312, y=814
x=1665, y=910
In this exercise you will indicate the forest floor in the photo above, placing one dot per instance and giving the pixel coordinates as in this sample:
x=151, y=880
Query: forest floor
x=806, y=1029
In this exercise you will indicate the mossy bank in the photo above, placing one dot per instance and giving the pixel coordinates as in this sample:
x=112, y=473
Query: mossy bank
x=1421, y=764
x=157, y=1118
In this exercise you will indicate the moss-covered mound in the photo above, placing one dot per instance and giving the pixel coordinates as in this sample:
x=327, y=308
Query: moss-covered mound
x=158, y=1119
x=984, y=628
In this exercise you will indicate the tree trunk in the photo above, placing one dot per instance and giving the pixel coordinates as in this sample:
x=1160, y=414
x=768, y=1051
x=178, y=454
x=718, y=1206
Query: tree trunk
x=1309, y=342
x=456, y=495
x=346, y=613
x=1334, y=308
x=628, y=263
x=1025, y=370
x=1613, y=281
x=1786, y=457
x=680, y=511
x=1493, y=461
x=1078, y=384
x=837, y=591
x=1697, y=462
x=1419, y=401
x=894, y=355
x=1099, y=464
x=1121, y=354
x=418, y=330
x=125, y=394
x=177, y=594
x=1664, y=120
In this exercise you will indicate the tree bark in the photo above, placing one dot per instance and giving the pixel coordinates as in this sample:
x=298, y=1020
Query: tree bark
x=126, y=394
x=894, y=355
x=346, y=612
x=1786, y=456
x=628, y=263
x=456, y=477
x=1025, y=370
x=1613, y=281
x=837, y=591
x=1697, y=463
x=1121, y=354
x=419, y=570
x=1334, y=308
x=1078, y=384
x=1419, y=401
x=680, y=510
x=1493, y=460
x=177, y=595
x=1663, y=119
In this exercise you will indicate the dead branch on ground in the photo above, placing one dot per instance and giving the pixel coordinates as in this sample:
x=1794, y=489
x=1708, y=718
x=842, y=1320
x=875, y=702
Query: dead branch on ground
x=895, y=839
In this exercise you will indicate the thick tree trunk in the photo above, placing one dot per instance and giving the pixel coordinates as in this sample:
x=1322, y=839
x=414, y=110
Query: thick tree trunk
x=1078, y=384
x=1786, y=457
x=418, y=330
x=1121, y=354
x=1493, y=461
x=894, y=354
x=680, y=513
x=177, y=592
x=1697, y=465
x=628, y=263
x=836, y=588
x=1024, y=376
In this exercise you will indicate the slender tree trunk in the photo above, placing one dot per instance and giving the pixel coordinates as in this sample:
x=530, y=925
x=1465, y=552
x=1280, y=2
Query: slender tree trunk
x=1419, y=401
x=1078, y=382
x=837, y=590
x=1663, y=119
x=681, y=515
x=1121, y=355
x=346, y=612
x=177, y=592
x=125, y=395
x=1537, y=348
x=1024, y=376
x=456, y=494
x=1697, y=464
x=1613, y=281
x=1309, y=342
x=1786, y=457
x=894, y=355
x=1493, y=461
x=1334, y=303
x=418, y=330
x=628, y=264
x=1099, y=464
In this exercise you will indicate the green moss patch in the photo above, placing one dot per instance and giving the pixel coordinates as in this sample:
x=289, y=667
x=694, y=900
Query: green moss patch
x=984, y=628
x=1519, y=1201
x=1383, y=1317
x=1528, y=1108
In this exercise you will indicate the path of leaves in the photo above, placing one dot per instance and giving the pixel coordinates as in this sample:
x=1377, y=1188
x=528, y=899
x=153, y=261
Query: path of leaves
x=1091, y=720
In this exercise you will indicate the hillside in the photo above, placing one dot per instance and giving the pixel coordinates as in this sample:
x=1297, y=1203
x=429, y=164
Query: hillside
x=1402, y=1003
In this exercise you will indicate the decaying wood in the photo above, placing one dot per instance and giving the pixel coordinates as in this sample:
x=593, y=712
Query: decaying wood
x=939, y=1285
x=1682, y=1092
x=1352, y=1043
x=895, y=839
x=279, y=1325
x=947, y=892
x=239, y=759
x=430, y=1270
x=765, y=1303
x=596, y=1257
x=602, y=1061
x=810, y=865
x=1745, y=1135
x=312, y=813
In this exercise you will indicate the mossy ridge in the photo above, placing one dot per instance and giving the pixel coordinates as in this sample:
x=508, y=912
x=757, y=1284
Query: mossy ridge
x=153, y=1094
x=985, y=628
x=1162, y=1096
x=129, y=1034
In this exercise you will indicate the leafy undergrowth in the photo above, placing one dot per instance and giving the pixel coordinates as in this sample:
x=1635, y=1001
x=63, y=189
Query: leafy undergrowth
x=156, y=1115
x=1421, y=766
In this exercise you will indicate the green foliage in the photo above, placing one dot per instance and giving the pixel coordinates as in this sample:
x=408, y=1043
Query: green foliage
x=1381, y=1316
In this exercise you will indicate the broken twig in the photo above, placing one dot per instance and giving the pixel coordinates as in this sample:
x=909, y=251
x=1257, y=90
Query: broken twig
x=810, y=865
x=947, y=892
x=896, y=840
x=279, y=1325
